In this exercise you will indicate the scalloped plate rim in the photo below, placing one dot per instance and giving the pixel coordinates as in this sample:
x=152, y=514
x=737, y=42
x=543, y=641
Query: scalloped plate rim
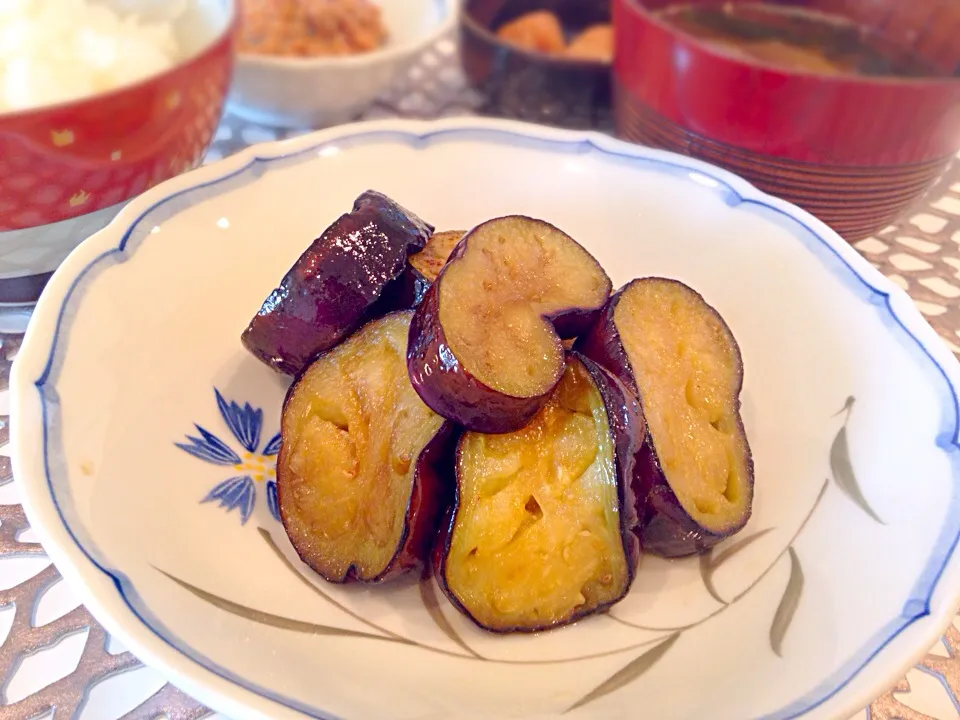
x=101, y=587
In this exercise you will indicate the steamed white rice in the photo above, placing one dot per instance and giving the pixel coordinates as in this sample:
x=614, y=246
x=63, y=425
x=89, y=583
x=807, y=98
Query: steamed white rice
x=52, y=51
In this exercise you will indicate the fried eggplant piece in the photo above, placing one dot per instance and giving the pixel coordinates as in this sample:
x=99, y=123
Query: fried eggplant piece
x=430, y=261
x=486, y=342
x=694, y=475
x=360, y=472
x=541, y=531
x=424, y=267
x=332, y=288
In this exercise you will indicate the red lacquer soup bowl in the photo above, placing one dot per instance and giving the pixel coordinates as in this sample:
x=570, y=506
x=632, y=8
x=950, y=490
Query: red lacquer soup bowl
x=854, y=150
x=67, y=169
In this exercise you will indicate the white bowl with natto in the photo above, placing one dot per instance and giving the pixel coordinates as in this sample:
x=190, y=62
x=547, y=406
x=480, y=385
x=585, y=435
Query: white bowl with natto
x=294, y=92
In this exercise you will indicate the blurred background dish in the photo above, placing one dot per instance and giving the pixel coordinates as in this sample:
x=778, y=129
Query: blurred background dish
x=310, y=28
x=545, y=61
x=91, y=119
x=848, y=108
x=313, y=63
x=542, y=31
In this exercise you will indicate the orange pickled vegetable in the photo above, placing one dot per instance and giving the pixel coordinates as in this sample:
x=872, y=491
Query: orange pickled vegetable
x=539, y=31
x=594, y=43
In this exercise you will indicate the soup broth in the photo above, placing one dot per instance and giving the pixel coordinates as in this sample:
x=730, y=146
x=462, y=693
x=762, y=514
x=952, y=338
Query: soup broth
x=796, y=39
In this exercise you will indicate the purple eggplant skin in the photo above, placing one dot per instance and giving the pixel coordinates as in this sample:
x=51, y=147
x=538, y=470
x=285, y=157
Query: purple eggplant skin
x=332, y=288
x=408, y=291
x=628, y=430
x=431, y=497
x=628, y=433
x=447, y=388
x=666, y=529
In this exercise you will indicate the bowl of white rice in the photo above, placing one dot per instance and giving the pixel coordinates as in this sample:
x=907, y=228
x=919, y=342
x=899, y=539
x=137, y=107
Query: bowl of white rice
x=99, y=100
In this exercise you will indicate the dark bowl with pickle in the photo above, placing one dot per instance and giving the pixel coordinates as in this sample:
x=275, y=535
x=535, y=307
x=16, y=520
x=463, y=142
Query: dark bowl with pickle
x=551, y=84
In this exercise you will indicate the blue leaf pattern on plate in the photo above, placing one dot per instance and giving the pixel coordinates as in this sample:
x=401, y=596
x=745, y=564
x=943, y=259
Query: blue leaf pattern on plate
x=244, y=422
x=273, y=445
x=239, y=492
x=272, y=502
x=210, y=448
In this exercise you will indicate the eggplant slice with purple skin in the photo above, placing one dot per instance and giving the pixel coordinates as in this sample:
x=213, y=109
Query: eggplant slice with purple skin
x=694, y=475
x=424, y=267
x=485, y=343
x=363, y=470
x=331, y=290
x=541, y=531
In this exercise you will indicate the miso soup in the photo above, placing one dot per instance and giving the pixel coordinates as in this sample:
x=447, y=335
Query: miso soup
x=796, y=39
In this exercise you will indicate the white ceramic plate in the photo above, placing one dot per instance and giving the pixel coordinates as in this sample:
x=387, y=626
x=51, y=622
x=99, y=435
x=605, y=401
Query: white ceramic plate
x=845, y=574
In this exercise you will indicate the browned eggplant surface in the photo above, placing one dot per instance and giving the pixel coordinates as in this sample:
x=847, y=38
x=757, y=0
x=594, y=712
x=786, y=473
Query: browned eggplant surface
x=485, y=343
x=358, y=476
x=542, y=528
x=423, y=269
x=519, y=430
x=430, y=261
x=694, y=477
